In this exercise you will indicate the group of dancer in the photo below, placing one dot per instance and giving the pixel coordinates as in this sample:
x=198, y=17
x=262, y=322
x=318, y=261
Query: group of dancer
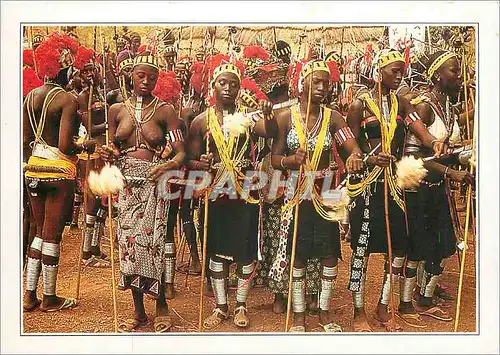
x=149, y=112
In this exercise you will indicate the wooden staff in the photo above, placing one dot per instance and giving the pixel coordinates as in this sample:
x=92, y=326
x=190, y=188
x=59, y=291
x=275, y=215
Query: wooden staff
x=275, y=39
x=466, y=81
x=110, y=204
x=342, y=57
x=466, y=228
x=296, y=217
x=204, y=254
x=85, y=188
x=386, y=212
x=190, y=41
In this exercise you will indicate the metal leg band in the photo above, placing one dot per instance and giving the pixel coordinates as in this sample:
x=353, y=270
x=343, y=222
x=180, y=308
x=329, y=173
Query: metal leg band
x=51, y=249
x=325, y=294
x=89, y=219
x=36, y=244
x=169, y=270
x=219, y=288
x=49, y=279
x=33, y=268
x=216, y=266
x=170, y=249
x=299, y=295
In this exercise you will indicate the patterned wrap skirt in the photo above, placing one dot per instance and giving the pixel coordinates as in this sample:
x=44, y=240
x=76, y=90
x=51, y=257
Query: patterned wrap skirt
x=271, y=219
x=142, y=226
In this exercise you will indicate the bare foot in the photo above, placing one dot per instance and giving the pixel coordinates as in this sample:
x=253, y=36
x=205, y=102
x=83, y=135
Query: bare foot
x=360, y=322
x=55, y=303
x=382, y=313
x=279, y=304
x=299, y=322
x=31, y=302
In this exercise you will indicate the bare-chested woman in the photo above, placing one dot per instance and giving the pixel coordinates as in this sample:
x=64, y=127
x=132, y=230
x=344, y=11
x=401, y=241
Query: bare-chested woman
x=143, y=130
x=49, y=124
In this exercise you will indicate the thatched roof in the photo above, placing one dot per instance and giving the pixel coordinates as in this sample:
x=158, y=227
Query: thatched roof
x=352, y=36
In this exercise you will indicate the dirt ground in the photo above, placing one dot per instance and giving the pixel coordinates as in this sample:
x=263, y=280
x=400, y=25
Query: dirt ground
x=94, y=313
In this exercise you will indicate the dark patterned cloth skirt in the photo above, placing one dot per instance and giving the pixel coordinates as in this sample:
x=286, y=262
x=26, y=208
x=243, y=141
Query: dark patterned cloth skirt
x=432, y=236
x=271, y=225
x=377, y=241
x=232, y=229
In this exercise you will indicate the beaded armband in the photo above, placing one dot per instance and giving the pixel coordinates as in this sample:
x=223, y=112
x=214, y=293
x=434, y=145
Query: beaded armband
x=175, y=136
x=343, y=134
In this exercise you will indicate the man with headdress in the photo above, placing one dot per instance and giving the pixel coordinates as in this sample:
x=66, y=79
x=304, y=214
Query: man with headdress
x=122, y=43
x=124, y=64
x=135, y=42
x=49, y=154
x=200, y=54
x=37, y=40
x=170, y=57
x=143, y=132
x=232, y=223
x=91, y=102
x=283, y=51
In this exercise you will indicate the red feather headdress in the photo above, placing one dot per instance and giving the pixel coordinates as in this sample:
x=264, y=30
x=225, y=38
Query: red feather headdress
x=196, y=80
x=167, y=88
x=30, y=81
x=147, y=48
x=255, y=52
x=55, y=53
x=28, y=58
x=83, y=57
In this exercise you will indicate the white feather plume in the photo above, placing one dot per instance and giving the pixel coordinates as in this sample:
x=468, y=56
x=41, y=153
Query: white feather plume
x=111, y=179
x=410, y=172
x=95, y=184
x=236, y=124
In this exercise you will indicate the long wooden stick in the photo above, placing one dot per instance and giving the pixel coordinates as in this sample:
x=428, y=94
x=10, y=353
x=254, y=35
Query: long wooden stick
x=110, y=203
x=296, y=217
x=466, y=96
x=466, y=231
x=386, y=213
x=204, y=254
x=112, y=257
x=85, y=191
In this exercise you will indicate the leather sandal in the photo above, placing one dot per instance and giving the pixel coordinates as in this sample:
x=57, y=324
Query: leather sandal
x=131, y=325
x=412, y=319
x=66, y=304
x=297, y=329
x=240, y=317
x=215, y=319
x=331, y=327
x=162, y=323
x=437, y=313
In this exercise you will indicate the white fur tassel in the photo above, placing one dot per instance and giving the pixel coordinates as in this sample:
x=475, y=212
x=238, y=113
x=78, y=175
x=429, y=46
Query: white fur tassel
x=236, y=124
x=410, y=172
x=109, y=181
x=95, y=184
